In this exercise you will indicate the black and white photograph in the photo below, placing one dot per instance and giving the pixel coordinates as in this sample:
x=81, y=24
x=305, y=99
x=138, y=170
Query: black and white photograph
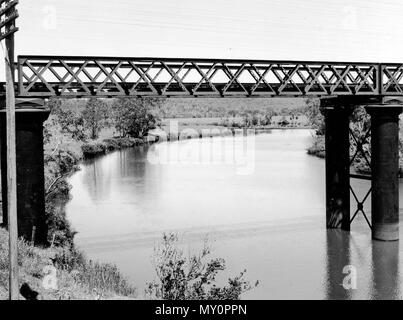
x=219, y=151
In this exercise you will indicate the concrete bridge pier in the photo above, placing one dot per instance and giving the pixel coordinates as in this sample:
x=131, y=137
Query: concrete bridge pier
x=30, y=115
x=337, y=164
x=385, y=169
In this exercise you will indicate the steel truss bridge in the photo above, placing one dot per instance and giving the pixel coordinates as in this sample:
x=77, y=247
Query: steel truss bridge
x=340, y=85
x=48, y=76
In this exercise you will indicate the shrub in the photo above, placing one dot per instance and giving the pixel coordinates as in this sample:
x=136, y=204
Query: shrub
x=92, y=149
x=193, y=278
x=60, y=232
x=111, y=144
x=318, y=147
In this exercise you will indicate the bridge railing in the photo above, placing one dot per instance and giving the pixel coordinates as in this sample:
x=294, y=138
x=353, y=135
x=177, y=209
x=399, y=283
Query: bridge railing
x=45, y=76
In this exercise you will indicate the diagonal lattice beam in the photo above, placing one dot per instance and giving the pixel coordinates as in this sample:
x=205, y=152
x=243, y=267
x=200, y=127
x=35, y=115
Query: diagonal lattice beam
x=359, y=143
x=360, y=206
x=45, y=76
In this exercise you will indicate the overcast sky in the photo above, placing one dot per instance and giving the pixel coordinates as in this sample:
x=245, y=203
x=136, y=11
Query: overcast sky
x=340, y=30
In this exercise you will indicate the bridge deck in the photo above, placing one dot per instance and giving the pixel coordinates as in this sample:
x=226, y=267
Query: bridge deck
x=47, y=76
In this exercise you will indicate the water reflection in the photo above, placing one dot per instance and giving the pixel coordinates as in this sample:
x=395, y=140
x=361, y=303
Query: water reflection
x=131, y=162
x=374, y=263
x=100, y=177
x=97, y=177
x=338, y=257
x=385, y=270
x=270, y=222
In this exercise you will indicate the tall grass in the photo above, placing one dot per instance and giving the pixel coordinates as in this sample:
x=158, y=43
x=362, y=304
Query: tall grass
x=78, y=277
x=103, y=277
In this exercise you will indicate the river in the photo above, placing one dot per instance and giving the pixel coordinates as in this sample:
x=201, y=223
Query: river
x=259, y=200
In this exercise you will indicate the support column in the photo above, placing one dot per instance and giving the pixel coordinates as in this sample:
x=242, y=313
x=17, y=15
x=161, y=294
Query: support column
x=337, y=166
x=30, y=171
x=385, y=169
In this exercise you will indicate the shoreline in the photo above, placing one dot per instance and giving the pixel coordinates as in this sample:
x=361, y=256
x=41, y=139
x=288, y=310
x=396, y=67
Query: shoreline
x=79, y=277
x=317, y=149
x=64, y=250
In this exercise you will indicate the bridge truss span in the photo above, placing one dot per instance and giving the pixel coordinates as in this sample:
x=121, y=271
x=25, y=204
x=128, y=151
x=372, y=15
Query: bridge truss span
x=47, y=76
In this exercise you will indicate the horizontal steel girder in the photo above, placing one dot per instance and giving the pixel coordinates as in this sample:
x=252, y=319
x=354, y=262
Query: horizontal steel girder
x=47, y=76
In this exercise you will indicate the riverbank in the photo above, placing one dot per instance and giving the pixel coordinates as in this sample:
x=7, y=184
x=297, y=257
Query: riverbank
x=318, y=147
x=69, y=154
x=143, y=200
x=96, y=148
x=77, y=276
x=360, y=165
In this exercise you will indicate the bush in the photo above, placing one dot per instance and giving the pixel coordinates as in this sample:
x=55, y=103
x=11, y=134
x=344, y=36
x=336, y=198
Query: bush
x=92, y=149
x=111, y=144
x=193, y=278
x=60, y=232
x=318, y=147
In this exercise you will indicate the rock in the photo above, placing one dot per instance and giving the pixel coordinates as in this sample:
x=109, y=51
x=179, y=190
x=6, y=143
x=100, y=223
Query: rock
x=28, y=293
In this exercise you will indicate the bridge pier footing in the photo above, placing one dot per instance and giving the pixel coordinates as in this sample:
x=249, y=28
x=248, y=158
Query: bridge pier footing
x=385, y=170
x=337, y=166
x=30, y=172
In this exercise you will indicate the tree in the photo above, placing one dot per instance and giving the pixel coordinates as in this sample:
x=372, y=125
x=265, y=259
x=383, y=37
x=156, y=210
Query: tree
x=314, y=115
x=69, y=121
x=95, y=116
x=133, y=116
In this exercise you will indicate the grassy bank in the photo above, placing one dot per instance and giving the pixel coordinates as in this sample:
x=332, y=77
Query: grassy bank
x=95, y=148
x=318, y=147
x=77, y=277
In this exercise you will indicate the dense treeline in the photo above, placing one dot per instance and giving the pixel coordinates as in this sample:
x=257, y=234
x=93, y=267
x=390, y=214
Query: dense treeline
x=126, y=116
x=227, y=107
